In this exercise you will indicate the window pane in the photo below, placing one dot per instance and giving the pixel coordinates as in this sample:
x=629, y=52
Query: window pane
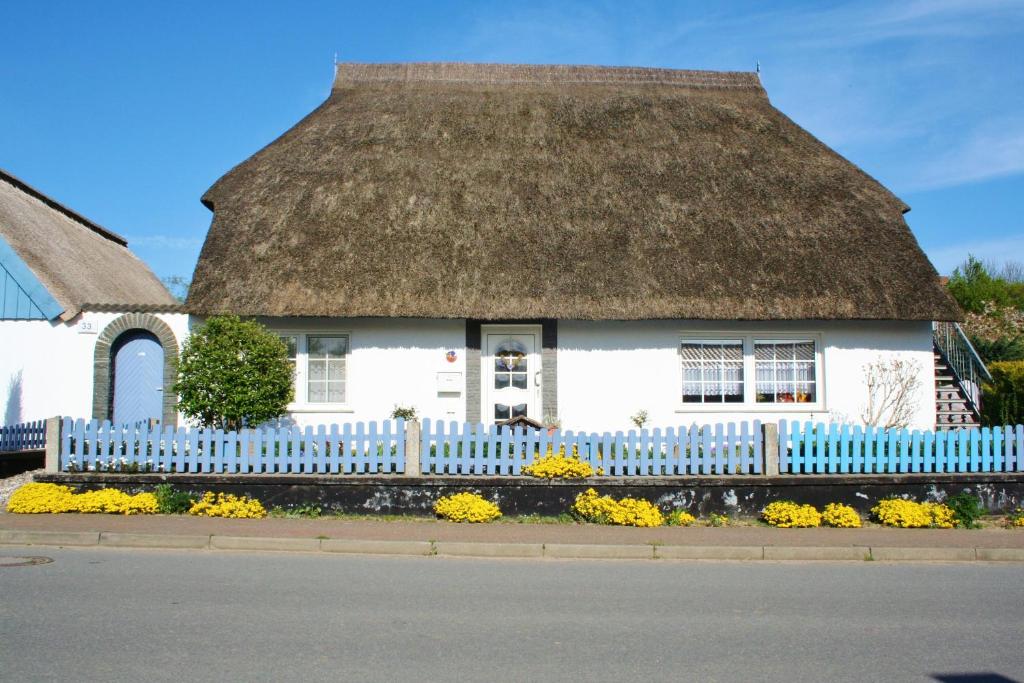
x=803, y=351
x=322, y=346
x=518, y=410
x=501, y=380
x=336, y=369
x=785, y=371
x=518, y=380
x=712, y=371
x=501, y=411
x=317, y=370
x=336, y=392
x=325, y=368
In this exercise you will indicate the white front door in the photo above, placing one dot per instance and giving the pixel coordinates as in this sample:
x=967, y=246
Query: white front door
x=511, y=373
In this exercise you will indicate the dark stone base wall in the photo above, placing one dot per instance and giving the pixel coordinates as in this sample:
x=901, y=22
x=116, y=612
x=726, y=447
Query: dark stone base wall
x=20, y=461
x=516, y=495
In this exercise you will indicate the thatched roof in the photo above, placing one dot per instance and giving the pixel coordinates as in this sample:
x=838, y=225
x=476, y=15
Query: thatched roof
x=78, y=261
x=499, y=191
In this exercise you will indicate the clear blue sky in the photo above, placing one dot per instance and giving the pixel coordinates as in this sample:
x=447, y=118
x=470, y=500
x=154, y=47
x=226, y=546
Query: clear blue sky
x=129, y=111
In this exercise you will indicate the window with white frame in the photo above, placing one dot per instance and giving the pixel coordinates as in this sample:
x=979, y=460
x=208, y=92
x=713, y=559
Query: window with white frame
x=712, y=371
x=320, y=363
x=716, y=371
x=785, y=371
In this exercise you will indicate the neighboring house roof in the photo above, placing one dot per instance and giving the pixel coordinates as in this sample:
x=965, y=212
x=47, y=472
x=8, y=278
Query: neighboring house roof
x=576, y=192
x=76, y=261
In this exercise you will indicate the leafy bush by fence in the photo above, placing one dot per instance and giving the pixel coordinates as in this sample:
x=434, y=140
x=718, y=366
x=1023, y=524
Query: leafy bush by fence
x=1003, y=401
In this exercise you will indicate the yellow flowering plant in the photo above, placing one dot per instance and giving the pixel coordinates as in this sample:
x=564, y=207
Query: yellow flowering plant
x=624, y=512
x=786, y=514
x=679, y=518
x=227, y=505
x=840, y=516
x=908, y=514
x=466, y=507
x=558, y=466
x=36, y=498
x=1016, y=519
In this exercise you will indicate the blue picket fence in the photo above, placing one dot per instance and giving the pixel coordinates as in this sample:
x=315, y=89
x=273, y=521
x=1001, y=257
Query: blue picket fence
x=818, y=448
x=363, y=448
x=24, y=436
x=467, y=448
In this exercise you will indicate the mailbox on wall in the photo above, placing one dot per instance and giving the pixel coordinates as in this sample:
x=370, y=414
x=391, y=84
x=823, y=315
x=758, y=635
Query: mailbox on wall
x=449, y=383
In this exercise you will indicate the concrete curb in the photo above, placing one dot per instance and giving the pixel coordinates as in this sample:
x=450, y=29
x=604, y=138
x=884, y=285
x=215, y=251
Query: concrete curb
x=464, y=549
x=602, y=552
x=341, y=545
x=512, y=550
x=308, y=545
x=709, y=552
x=15, y=536
x=116, y=540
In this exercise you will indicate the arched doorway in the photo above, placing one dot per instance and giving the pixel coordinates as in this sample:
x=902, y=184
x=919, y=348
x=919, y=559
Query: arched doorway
x=137, y=378
x=123, y=386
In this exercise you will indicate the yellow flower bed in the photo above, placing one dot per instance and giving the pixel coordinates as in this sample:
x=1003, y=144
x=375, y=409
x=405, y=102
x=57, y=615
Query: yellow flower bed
x=624, y=512
x=559, y=467
x=908, y=514
x=680, y=518
x=1016, y=519
x=786, y=514
x=842, y=516
x=466, y=507
x=227, y=505
x=52, y=498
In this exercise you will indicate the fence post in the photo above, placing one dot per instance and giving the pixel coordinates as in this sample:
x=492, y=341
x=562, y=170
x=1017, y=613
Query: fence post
x=770, y=443
x=412, y=448
x=51, y=462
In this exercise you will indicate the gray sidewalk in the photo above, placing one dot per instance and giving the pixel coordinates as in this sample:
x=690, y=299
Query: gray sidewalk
x=432, y=537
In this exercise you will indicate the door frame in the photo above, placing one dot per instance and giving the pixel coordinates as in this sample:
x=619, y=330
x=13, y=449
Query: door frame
x=102, y=387
x=487, y=368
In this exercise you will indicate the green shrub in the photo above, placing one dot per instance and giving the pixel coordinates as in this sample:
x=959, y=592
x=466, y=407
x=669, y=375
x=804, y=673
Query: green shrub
x=171, y=502
x=1000, y=349
x=972, y=285
x=967, y=510
x=233, y=373
x=1003, y=399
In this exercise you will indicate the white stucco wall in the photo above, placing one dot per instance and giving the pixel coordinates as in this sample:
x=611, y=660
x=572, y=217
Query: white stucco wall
x=608, y=371
x=46, y=368
x=391, y=362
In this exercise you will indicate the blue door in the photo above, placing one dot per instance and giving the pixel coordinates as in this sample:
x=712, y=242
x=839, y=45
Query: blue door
x=138, y=377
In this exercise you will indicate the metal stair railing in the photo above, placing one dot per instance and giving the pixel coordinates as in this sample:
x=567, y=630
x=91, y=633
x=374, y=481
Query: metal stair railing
x=962, y=359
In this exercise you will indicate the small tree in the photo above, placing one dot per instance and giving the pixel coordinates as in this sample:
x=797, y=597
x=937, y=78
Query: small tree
x=892, y=392
x=233, y=373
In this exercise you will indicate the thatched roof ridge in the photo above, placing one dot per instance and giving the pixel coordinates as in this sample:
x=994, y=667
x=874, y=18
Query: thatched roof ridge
x=552, y=74
x=505, y=191
x=76, y=260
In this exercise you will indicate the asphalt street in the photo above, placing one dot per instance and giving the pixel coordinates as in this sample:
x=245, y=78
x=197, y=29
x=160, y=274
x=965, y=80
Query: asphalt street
x=120, y=615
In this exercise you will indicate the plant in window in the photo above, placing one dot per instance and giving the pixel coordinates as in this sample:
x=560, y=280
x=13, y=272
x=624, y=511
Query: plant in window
x=233, y=373
x=892, y=388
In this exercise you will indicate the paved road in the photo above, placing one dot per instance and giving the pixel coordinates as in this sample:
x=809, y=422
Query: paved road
x=119, y=615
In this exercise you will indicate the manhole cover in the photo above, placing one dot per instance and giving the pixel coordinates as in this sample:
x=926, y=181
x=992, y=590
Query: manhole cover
x=24, y=561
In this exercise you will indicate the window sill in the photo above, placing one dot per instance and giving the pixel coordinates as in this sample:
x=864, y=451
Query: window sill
x=320, y=408
x=750, y=408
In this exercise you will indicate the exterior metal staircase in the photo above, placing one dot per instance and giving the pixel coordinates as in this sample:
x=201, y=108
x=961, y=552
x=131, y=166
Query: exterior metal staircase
x=959, y=372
